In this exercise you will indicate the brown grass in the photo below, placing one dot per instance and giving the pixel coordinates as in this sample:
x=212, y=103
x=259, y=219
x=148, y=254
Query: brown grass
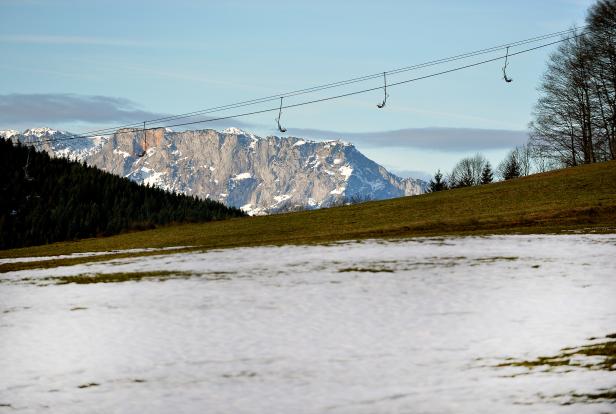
x=575, y=199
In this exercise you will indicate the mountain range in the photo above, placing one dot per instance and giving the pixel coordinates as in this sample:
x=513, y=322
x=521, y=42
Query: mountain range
x=260, y=175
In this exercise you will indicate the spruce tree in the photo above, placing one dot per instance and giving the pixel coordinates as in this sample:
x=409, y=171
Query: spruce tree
x=486, y=175
x=437, y=184
x=64, y=200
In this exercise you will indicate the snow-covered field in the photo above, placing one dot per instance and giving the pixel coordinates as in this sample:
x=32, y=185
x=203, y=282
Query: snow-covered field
x=413, y=326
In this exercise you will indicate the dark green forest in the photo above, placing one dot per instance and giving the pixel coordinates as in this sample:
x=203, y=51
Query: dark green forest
x=44, y=200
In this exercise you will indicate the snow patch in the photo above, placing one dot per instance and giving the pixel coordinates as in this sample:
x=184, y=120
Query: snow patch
x=118, y=151
x=346, y=171
x=424, y=336
x=242, y=176
x=155, y=179
x=281, y=198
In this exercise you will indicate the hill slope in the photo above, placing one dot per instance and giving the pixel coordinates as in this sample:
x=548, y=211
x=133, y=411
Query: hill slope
x=56, y=199
x=570, y=199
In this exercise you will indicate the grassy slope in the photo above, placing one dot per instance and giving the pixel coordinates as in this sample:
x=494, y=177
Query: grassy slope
x=581, y=197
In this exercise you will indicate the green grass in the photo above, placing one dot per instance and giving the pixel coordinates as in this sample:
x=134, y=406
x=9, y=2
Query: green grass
x=574, y=199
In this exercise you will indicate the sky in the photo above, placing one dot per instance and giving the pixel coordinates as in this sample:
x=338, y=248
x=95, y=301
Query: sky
x=83, y=65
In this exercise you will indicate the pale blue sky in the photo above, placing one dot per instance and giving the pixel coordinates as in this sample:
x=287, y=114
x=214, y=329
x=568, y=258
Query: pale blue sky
x=178, y=56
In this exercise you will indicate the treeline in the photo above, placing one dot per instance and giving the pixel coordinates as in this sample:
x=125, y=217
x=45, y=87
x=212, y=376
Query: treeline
x=574, y=121
x=477, y=170
x=44, y=200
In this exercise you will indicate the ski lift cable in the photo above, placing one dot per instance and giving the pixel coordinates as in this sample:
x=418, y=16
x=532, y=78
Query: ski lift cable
x=344, y=95
x=329, y=98
x=338, y=83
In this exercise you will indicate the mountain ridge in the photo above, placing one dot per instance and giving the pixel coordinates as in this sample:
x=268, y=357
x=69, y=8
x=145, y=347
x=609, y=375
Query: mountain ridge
x=261, y=175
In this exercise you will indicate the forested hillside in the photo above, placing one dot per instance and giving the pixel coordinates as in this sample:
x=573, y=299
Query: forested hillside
x=43, y=200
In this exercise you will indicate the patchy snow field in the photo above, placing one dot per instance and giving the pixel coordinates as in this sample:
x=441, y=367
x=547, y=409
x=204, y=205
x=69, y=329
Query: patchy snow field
x=88, y=254
x=370, y=327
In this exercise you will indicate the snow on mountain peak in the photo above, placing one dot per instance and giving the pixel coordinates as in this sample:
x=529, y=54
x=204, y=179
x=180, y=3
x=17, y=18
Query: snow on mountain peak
x=260, y=175
x=40, y=132
x=234, y=131
x=6, y=134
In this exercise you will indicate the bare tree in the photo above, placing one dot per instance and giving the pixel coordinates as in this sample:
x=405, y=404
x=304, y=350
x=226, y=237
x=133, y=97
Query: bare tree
x=510, y=167
x=574, y=120
x=467, y=171
x=524, y=155
x=601, y=21
x=562, y=127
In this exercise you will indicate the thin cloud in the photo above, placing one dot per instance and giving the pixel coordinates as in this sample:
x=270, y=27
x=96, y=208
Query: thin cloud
x=72, y=40
x=56, y=109
x=438, y=139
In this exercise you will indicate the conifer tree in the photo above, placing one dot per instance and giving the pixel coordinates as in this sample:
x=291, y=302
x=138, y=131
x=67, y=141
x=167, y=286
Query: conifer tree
x=438, y=183
x=486, y=175
x=63, y=200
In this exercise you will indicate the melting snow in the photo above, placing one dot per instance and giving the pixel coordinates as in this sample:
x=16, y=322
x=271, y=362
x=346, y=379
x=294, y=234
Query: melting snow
x=338, y=191
x=86, y=254
x=369, y=327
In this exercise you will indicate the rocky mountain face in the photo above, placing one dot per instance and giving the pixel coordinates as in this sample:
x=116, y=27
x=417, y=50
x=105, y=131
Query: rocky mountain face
x=259, y=175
